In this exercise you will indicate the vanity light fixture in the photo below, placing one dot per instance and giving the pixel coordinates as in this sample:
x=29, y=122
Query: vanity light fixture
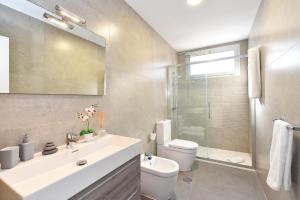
x=193, y=2
x=69, y=16
x=58, y=21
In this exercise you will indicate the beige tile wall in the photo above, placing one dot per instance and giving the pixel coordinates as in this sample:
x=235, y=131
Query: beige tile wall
x=277, y=31
x=228, y=127
x=136, y=94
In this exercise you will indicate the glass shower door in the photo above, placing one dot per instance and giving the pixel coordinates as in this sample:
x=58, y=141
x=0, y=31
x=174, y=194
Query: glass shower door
x=189, y=108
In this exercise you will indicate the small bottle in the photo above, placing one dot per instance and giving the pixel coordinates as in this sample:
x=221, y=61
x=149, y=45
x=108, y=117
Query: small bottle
x=101, y=132
x=26, y=149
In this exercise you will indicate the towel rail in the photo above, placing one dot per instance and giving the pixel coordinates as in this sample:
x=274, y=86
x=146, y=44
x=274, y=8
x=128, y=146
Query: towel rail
x=295, y=128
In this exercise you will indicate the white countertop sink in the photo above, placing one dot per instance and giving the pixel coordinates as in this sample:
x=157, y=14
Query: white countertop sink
x=58, y=177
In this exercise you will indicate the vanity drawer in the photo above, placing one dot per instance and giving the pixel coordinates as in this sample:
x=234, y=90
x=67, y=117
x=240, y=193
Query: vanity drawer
x=121, y=184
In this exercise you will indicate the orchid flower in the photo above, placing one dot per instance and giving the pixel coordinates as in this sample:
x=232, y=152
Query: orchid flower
x=90, y=111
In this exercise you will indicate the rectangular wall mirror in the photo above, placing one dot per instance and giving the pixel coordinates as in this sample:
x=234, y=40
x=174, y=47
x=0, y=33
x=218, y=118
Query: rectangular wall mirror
x=40, y=56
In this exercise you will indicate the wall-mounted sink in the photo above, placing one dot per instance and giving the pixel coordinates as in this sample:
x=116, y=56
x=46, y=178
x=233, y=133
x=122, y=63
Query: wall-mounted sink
x=59, y=177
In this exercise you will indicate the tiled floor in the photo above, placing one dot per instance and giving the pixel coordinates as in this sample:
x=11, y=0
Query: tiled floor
x=216, y=182
x=223, y=155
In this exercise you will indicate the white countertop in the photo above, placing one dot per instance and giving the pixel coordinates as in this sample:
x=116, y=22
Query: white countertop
x=58, y=177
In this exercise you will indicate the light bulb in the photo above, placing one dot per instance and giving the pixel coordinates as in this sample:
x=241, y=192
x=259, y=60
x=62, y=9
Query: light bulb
x=69, y=15
x=57, y=21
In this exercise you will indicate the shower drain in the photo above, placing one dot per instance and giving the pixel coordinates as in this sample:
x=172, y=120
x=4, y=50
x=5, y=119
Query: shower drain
x=187, y=179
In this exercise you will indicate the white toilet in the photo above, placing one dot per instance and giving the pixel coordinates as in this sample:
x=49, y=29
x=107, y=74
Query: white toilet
x=182, y=151
x=158, y=178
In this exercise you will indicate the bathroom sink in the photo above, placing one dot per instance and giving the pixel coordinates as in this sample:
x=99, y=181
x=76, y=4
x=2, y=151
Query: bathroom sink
x=58, y=177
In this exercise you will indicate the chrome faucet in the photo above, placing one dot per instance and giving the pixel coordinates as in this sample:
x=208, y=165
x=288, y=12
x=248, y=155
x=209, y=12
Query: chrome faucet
x=71, y=138
x=147, y=156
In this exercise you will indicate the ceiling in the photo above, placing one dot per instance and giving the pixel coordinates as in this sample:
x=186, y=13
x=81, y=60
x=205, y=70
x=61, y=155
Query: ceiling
x=187, y=27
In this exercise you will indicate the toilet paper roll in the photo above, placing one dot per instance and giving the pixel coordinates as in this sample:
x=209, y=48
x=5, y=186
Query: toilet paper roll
x=152, y=136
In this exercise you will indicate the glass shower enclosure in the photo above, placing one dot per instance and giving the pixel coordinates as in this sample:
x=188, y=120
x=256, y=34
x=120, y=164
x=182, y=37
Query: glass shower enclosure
x=212, y=111
x=189, y=109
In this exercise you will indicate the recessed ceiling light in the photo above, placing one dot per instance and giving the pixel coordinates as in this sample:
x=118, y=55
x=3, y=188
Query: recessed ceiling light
x=193, y=2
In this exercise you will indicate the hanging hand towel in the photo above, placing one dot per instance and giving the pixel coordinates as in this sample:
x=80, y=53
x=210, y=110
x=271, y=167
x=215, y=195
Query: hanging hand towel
x=280, y=157
x=254, y=77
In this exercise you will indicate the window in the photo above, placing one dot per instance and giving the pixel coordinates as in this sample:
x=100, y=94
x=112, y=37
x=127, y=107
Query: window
x=4, y=64
x=215, y=68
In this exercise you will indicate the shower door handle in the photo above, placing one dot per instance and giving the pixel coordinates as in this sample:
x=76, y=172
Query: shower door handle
x=209, y=114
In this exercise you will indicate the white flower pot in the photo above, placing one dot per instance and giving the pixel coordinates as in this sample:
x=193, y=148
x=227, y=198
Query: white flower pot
x=88, y=137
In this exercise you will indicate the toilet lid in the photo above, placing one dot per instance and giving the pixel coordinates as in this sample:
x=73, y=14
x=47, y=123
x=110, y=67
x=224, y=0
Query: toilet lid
x=183, y=144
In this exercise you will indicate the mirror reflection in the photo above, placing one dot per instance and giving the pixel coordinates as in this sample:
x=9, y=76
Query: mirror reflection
x=47, y=58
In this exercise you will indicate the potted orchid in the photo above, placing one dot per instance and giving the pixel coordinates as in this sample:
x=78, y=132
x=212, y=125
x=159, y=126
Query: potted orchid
x=89, y=113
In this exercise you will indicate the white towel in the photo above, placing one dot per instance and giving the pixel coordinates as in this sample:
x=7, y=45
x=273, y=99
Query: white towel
x=280, y=157
x=254, y=77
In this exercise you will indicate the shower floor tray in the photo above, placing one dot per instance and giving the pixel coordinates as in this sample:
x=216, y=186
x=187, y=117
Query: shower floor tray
x=233, y=157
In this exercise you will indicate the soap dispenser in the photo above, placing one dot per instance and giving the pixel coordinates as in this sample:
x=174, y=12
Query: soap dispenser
x=26, y=149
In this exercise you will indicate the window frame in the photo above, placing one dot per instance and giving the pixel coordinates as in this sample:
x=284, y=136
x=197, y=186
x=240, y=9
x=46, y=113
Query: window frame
x=232, y=47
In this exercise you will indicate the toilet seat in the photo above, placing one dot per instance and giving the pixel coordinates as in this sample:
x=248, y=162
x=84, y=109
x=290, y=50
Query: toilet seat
x=183, y=144
x=184, y=152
